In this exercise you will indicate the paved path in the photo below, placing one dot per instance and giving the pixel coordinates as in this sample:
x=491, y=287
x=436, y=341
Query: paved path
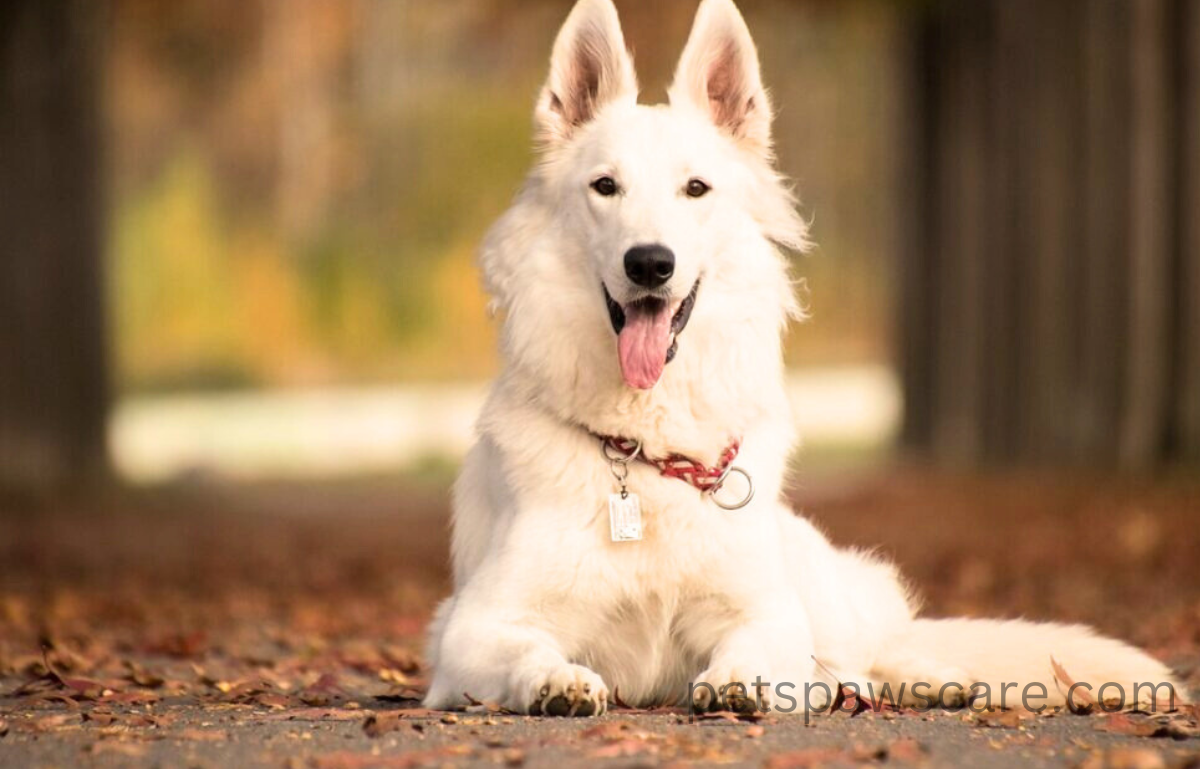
x=261, y=626
x=335, y=738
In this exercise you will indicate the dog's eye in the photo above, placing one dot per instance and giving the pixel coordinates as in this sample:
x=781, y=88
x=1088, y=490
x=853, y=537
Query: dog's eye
x=697, y=188
x=606, y=186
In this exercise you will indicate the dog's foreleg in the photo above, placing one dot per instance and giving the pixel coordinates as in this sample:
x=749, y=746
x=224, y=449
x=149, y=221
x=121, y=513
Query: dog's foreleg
x=487, y=657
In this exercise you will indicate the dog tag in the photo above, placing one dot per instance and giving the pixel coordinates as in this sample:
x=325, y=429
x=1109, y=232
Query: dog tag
x=625, y=517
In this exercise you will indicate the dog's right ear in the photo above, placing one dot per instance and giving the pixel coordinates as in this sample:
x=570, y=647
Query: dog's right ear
x=589, y=69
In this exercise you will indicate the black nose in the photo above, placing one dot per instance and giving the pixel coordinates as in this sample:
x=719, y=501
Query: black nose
x=649, y=266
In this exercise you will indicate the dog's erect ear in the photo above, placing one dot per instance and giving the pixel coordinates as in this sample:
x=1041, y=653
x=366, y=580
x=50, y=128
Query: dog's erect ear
x=589, y=68
x=718, y=74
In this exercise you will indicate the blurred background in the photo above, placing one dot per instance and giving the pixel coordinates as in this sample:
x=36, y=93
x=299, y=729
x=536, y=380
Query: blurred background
x=250, y=228
x=240, y=317
x=286, y=199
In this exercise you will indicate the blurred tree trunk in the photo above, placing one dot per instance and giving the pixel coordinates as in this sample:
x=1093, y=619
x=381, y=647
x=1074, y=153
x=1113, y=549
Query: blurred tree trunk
x=53, y=381
x=1052, y=268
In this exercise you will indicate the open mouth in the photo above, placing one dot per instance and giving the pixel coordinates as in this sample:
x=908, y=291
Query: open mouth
x=648, y=330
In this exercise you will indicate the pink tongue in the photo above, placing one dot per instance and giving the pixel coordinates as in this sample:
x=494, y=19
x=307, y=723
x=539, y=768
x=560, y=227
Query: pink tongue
x=643, y=345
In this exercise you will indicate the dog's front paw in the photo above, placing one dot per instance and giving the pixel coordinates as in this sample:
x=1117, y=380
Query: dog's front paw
x=569, y=690
x=726, y=689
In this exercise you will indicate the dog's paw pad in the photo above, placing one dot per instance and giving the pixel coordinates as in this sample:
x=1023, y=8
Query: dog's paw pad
x=572, y=690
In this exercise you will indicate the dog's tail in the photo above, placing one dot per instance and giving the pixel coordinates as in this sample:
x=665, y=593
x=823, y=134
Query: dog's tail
x=1021, y=665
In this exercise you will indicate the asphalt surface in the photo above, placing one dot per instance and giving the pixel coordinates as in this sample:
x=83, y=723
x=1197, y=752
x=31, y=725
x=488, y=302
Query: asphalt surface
x=282, y=627
x=338, y=739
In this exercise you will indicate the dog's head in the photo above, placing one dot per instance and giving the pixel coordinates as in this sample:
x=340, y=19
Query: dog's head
x=641, y=223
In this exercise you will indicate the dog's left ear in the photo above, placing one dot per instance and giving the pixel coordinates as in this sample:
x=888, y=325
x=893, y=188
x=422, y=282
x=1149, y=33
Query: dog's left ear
x=718, y=74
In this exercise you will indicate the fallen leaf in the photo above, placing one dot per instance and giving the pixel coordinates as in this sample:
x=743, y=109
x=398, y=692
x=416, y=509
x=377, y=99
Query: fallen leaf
x=140, y=676
x=323, y=692
x=131, y=697
x=402, y=694
x=1123, y=724
x=1080, y=702
x=379, y=724
x=617, y=702
x=82, y=687
x=1120, y=723
x=272, y=701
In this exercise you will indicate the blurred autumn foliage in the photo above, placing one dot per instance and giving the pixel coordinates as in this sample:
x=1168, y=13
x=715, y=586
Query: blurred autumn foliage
x=297, y=188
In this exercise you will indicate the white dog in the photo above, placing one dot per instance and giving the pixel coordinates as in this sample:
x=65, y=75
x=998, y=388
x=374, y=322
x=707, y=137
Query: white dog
x=643, y=297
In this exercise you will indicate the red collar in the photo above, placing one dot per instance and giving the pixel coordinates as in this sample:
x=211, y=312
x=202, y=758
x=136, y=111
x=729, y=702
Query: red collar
x=676, y=465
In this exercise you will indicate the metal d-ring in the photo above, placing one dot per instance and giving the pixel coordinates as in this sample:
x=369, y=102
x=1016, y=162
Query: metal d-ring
x=712, y=492
x=622, y=459
x=619, y=466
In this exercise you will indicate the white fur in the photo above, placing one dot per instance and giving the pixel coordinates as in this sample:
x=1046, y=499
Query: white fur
x=545, y=604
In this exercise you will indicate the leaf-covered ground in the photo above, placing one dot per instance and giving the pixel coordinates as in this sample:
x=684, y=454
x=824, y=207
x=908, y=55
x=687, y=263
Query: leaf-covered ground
x=282, y=627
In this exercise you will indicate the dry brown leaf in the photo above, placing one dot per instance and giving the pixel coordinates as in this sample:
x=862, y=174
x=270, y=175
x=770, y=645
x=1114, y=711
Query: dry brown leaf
x=323, y=692
x=617, y=702
x=81, y=687
x=1142, y=726
x=1122, y=724
x=131, y=697
x=402, y=694
x=1081, y=702
x=386, y=721
x=272, y=701
x=140, y=676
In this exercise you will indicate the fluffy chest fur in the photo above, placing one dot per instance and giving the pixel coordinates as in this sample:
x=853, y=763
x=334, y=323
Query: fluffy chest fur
x=537, y=485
